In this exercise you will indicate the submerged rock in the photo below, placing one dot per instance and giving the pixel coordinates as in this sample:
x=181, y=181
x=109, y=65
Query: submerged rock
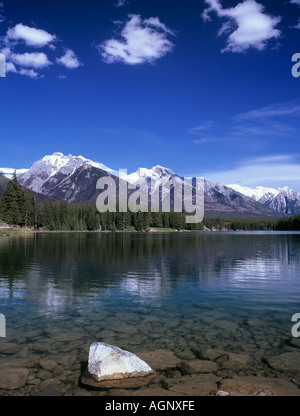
x=233, y=361
x=259, y=386
x=198, y=366
x=209, y=353
x=194, y=385
x=161, y=359
x=13, y=378
x=288, y=362
x=9, y=348
x=112, y=367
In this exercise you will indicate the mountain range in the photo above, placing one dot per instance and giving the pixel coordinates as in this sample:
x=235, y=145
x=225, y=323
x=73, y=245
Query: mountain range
x=73, y=179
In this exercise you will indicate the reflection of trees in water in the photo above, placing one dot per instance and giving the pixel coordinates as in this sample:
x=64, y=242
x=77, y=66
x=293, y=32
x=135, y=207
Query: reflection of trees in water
x=79, y=262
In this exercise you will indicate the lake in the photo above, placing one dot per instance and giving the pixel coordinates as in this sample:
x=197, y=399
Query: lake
x=180, y=292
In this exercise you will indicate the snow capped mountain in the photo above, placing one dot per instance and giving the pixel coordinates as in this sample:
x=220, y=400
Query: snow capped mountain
x=47, y=170
x=256, y=193
x=283, y=200
x=156, y=173
x=218, y=199
x=156, y=176
x=150, y=180
x=8, y=172
x=65, y=177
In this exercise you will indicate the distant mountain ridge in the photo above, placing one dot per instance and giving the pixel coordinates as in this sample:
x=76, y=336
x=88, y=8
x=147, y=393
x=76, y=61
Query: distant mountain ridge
x=73, y=179
x=218, y=199
x=283, y=200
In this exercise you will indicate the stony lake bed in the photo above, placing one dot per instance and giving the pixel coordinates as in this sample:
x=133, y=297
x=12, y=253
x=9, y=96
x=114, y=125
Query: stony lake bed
x=52, y=361
x=203, y=331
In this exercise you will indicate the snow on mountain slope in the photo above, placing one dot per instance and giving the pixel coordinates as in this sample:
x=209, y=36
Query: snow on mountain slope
x=283, y=200
x=256, y=193
x=218, y=199
x=157, y=174
x=49, y=168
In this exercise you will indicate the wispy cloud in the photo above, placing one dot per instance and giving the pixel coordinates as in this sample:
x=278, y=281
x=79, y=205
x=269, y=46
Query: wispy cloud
x=246, y=25
x=254, y=128
x=206, y=125
x=269, y=122
x=209, y=139
x=140, y=41
x=2, y=18
x=297, y=2
x=268, y=170
x=31, y=73
x=121, y=3
x=265, y=129
x=290, y=108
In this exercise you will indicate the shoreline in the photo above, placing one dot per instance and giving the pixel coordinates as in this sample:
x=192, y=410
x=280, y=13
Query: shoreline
x=11, y=231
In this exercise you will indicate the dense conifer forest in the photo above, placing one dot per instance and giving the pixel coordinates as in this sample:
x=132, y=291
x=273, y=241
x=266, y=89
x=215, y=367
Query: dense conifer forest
x=19, y=207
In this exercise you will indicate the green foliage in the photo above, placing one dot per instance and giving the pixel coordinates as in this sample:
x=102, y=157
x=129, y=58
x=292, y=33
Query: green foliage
x=16, y=205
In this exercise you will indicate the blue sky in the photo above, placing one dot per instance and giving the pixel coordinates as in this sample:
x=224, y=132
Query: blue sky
x=203, y=87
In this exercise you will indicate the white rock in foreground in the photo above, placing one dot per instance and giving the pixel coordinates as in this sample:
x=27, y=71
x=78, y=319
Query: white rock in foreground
x=107, y=362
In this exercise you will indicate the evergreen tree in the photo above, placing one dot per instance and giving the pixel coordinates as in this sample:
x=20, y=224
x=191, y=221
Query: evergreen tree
x=29, y=208
x=12, y=203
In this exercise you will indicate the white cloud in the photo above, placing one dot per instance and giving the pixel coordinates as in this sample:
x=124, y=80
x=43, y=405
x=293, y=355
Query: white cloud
x=69, y=60
x=247, y=25
x=30, y=35
x=20, y=38
x=141, y=41
x=34, y=60
x=10, y=67
x=270, y=170
x=295, y=2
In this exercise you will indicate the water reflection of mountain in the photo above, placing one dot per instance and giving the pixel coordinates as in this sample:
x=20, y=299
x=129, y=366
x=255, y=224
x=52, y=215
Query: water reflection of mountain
x=57, y=267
